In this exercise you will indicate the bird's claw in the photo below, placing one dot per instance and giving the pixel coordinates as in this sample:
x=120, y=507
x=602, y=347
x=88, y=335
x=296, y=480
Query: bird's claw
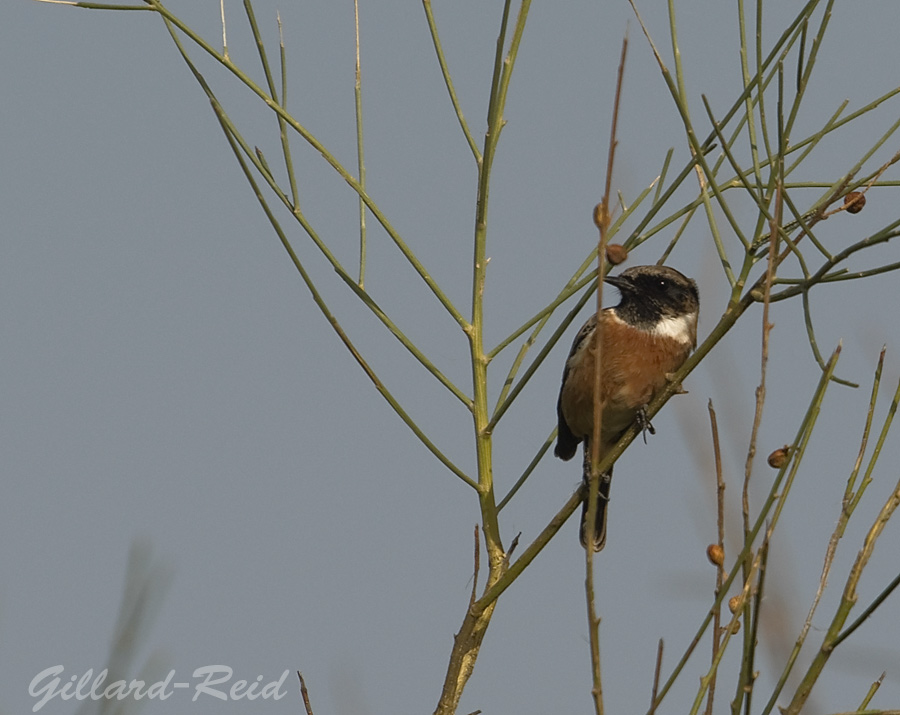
x=643, y=422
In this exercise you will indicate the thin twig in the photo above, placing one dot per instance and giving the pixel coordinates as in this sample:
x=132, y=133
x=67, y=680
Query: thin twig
x=474, y=594
x=360, y=154
x=304, y=693
x=445, y=71
x=870, y=609
x=872, y=690
x=98, y=5
x=656, y=673
x=753, y=626
x=512, y=547
x=224, y=35
x=285, y=139
x=528, y=471
x=857, y=465
x=602, y=218
x=720, y=562
x=745, y=681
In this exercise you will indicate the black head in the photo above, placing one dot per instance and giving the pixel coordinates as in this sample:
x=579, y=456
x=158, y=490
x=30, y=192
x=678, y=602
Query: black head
x=650, y=293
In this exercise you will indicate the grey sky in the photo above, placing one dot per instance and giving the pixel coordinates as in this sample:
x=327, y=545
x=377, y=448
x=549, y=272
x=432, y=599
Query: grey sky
x=166, y=376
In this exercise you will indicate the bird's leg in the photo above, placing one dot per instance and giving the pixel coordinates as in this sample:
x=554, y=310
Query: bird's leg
x=605, y=477
x=643, y=422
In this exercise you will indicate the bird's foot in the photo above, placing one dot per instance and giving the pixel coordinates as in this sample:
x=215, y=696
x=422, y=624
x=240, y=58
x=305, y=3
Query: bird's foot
x=643, y=422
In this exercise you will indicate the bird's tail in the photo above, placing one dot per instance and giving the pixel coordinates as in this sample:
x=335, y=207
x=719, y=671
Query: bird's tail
x=598, y=539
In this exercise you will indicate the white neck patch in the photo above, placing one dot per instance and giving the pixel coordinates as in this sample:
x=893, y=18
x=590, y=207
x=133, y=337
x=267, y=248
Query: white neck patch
x=680, y=328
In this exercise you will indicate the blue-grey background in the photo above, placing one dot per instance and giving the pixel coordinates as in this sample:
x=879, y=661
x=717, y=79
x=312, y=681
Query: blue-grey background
x=166, y=377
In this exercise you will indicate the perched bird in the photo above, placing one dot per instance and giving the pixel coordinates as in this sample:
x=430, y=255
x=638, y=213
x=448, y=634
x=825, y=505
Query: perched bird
x=644, y=339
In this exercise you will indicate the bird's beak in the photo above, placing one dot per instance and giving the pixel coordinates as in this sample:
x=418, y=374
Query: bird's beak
x=620, y=282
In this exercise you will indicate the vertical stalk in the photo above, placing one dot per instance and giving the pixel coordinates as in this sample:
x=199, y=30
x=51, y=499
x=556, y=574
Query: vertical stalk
x=602, y=220
x=478, y=616
x=360, y=155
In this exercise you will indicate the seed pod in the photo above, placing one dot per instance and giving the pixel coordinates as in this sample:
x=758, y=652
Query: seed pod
x=616, y=253
x=599, y=214
x=734, y=603
x=777, y=459
x=854, y=202
x=715, y=554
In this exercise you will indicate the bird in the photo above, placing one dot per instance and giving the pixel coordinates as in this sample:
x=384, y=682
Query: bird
x=644, y=340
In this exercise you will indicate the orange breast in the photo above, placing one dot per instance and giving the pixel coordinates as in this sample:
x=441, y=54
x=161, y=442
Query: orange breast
x=634, y=368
